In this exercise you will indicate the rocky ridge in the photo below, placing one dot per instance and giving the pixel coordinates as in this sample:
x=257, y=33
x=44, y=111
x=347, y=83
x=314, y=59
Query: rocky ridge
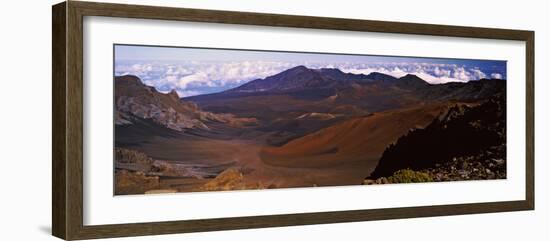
x=133, y=100
x=465, y=143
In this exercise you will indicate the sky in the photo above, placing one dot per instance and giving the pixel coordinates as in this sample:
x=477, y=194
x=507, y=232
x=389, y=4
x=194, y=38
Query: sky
x=196, y=71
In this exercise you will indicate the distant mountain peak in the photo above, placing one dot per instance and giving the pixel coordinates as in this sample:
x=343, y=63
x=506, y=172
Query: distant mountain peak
x=380, y=76
x=302, y=78
x=331, y=70
x=411, y=76
x=293, y=78
x=411, y=80
x=297, y=69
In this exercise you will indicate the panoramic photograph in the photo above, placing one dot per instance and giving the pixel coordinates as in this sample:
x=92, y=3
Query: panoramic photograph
x=204, y=119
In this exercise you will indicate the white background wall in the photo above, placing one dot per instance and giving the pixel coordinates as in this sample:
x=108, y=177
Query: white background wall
x=25, y=121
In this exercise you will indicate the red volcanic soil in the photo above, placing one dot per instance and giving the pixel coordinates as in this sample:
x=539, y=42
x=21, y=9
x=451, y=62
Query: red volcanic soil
x=355, y=143
x=341, y=154
x=299, y=129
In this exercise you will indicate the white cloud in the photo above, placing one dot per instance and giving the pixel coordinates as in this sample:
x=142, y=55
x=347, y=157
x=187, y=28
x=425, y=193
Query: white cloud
x=437, y=76
x=185, y=93
x=436, y=80
x=461, y=74
x=182, y=93
x=442, y=72
x=477, y=74
x=496, y=76
x=199, y=78
x=398, y=72
x=194, y=77
x=364, y=71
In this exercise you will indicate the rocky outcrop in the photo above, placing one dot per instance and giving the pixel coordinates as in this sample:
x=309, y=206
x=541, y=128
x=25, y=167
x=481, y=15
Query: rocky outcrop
x=486, y=165
x=489, y=164
x=170, y=169
x=132, y=160
x=459, y=145
x=230, y=179
x=135, y=161
x=133, y=100
x=128, y=107
x=128, y=182
x=123, y=155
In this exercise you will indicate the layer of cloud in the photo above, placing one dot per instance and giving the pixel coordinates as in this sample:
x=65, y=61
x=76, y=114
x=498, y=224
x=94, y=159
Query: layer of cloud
x=496, y=76
x=190, y=78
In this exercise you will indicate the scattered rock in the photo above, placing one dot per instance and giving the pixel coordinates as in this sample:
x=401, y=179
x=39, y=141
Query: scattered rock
x=483, y=166
x=128, y=182
x=369, y=182
x=230, y=179
x=382, y=180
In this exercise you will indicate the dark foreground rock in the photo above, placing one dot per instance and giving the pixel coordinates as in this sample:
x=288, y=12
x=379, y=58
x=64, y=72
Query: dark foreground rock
x=466, y=143
x=484, y=166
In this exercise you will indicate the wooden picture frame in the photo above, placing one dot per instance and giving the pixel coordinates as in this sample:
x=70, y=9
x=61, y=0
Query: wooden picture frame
x=67, y=152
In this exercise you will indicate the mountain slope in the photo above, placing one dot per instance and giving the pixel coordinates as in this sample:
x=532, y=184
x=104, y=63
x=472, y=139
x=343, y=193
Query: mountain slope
x=301, y=78
x=322, y=90
x=360, y=139
x=299, y=82
x=134, y=100
x=295, y=78
x=463, y=131
x=411, y=81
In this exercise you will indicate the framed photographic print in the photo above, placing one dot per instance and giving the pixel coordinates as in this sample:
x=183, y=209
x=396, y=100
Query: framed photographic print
x=171, y=120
